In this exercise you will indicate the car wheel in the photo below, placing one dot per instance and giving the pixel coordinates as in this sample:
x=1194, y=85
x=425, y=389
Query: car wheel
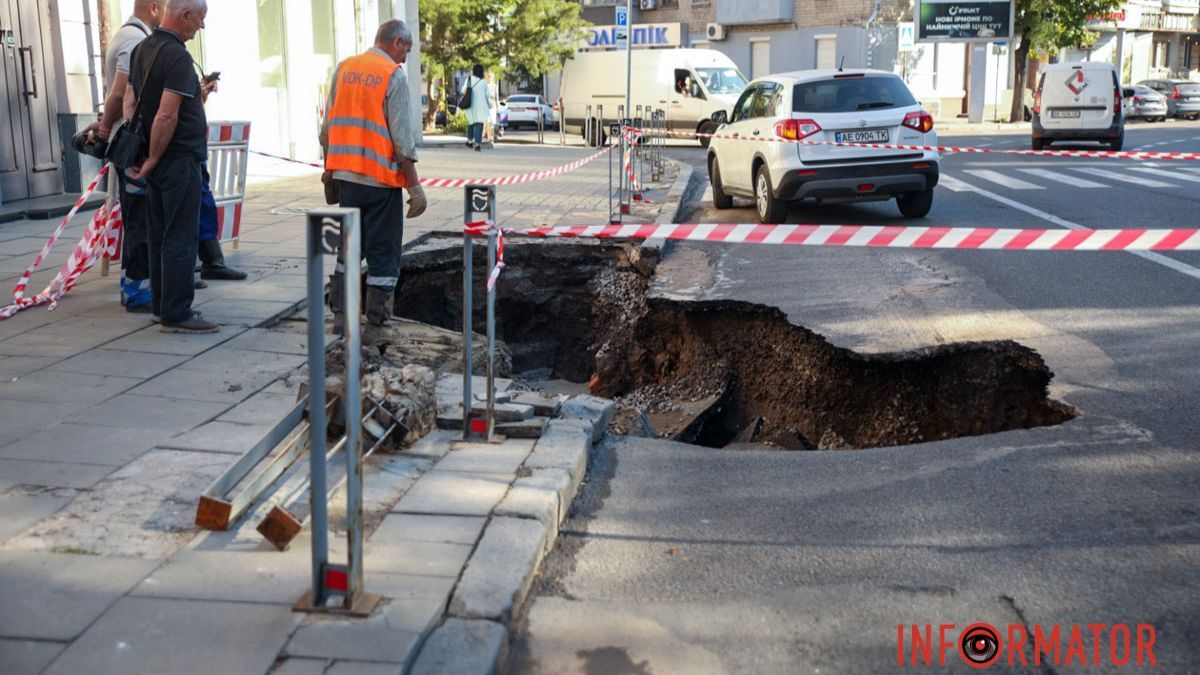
x=707, y=128
x=1039, y=143
x=770, y=210
x=915, y=204
x=721, y=200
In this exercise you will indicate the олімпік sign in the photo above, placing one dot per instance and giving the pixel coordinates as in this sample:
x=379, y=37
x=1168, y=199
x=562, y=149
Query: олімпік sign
x=966, y=21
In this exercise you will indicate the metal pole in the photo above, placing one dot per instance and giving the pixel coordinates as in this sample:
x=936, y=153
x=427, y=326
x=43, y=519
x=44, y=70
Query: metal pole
x=628, y=57
x=587, y=127
x=316, y=405
x=468, y=330
x=491, y=329
x=351, y=244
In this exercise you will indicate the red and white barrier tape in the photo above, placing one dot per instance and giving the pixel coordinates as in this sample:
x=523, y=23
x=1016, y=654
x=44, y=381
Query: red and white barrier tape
x=1100, y=154
x=485, y=228
x=895, y=236
x=460, y=182
x=101, y=235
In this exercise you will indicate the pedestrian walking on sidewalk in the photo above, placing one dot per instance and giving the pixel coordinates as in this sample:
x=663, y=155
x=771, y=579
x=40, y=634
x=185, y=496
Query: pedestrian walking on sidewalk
x=489, y=129
x=477, y=112
x=369, y=137
x=164, y=88
x=133, y=194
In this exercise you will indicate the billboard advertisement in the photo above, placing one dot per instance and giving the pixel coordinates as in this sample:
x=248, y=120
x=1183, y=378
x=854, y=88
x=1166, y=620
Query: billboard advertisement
x=964, y=21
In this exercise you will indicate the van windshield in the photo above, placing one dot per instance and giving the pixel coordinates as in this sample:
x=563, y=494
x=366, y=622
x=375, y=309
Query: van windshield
x=851, y=94
x=722, y=80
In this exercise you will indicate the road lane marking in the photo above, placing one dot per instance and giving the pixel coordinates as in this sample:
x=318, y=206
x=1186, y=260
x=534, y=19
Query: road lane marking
x=1060, y=177
x=1003, y=179
x=1117, y=176
x=1150, y=256
x=1167, y=174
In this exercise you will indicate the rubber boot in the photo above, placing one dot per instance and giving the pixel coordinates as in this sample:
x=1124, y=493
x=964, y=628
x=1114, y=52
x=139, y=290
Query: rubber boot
x=214, y=266
x=379, y=310
x=336, y=299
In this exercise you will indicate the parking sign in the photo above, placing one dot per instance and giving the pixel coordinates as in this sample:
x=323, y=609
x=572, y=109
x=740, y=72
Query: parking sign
x=622, y=18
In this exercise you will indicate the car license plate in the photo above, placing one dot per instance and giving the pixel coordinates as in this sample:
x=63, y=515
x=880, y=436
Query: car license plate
x=1064, y=114
x=867, y=136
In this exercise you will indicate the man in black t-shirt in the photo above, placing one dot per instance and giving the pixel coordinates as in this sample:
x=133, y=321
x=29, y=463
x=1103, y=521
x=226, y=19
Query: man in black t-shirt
x=165, y=92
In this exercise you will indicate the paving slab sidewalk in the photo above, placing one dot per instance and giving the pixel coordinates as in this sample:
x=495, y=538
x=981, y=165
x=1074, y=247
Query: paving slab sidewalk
x=108, y=429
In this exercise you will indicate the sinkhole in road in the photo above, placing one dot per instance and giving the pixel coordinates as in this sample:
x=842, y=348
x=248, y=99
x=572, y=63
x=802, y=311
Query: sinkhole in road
x=722, y=374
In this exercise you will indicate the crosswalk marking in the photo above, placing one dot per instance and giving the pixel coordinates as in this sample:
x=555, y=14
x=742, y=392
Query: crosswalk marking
x=1167, y=174
x=1136, y=180
x=1002, y=179
x=1061, y=177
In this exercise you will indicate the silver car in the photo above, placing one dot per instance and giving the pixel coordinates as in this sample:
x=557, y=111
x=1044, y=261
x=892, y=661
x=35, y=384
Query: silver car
x=1145, y=103
x=1183, y=96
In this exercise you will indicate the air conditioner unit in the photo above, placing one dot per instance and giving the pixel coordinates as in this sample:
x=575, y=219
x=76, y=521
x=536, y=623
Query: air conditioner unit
x=649, y=4
x=716, y=31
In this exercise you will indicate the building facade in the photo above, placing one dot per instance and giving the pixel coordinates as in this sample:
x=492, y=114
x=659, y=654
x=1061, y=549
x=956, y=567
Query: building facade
x=1148, y=39
x=773, y=36
x=275, y=58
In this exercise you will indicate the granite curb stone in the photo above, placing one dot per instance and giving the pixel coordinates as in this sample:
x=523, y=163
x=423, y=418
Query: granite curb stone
x=500, y=572
x=463, y=647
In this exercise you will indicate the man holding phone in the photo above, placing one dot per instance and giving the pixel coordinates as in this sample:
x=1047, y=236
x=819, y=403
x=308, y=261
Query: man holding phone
x=212, y=258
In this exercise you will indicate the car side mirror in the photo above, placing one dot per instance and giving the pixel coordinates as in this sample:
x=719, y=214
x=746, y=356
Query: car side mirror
x=720, y=117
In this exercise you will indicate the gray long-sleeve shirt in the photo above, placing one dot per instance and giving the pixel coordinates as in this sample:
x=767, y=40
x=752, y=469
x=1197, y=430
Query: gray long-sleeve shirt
x=399, y=115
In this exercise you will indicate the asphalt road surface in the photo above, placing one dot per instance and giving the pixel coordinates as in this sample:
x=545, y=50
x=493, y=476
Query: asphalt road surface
x=679, y=559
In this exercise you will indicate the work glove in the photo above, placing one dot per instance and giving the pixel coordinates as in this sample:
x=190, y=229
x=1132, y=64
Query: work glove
x=416, y=200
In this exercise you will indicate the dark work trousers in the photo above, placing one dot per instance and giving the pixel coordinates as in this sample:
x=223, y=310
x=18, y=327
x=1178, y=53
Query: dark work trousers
x=173, y=228
x=135, y=255
x=382, y=217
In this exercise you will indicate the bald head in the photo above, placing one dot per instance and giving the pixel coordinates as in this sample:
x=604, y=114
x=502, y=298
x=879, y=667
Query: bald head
x=150, y=11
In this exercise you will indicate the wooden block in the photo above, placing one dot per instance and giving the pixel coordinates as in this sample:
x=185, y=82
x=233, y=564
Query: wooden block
x=213, y=513
x=280, y=527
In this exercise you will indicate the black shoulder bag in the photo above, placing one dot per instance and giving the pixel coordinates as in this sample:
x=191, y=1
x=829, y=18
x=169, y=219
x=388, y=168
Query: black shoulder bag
x=127, y=145
x=465, y=101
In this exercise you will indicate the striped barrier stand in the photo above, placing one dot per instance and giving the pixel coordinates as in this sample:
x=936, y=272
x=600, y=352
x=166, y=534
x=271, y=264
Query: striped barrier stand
x=228, y=156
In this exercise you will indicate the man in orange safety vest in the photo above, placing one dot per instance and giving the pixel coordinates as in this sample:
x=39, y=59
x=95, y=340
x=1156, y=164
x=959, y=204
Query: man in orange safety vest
x=369, y=138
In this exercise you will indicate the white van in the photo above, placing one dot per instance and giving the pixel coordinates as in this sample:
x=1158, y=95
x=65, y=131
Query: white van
x=690, y=84
x=1078, y=102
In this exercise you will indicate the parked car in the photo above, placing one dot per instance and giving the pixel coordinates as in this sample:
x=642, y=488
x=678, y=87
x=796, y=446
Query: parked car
x=1143, y=102
x=1183, y=96
x=1078, y=102
x=525, y=108
x=853, y=106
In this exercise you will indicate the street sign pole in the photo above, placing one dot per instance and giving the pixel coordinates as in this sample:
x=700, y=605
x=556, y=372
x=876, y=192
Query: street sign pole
x=628, y=56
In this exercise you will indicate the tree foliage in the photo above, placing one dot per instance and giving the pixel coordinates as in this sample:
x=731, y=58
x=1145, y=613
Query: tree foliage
x=1045, y=26
x=500, y=35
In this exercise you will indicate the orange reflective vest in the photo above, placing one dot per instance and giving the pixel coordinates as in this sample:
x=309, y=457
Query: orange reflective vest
x=359, y=140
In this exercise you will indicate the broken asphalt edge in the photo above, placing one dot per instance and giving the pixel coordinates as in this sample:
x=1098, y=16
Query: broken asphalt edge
x=522, y=528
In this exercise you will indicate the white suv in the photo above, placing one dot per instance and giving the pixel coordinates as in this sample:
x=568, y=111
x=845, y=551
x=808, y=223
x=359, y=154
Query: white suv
x=852, y=106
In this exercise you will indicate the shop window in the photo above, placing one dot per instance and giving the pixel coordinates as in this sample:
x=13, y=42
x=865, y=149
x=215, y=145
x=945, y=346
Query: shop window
x=272, y=68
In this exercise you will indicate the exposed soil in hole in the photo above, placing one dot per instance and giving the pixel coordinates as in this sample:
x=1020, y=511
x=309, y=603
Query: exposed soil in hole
x=725, y=374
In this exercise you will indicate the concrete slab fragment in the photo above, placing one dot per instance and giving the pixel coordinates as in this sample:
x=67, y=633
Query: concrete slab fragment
x=500, y=572
x=541, y=497
x=27, y=657
x=17, y=366
x=219, y=385
x=21, y=510
x=120, y=362
x=301, y=666
x=561, y=448
x=154, y=635
x=275, y=341
x=150, y=339
x=224, y=437
x=170, y=412
x=52, y=474
x=416, y=527
x=544, y=406
x=262, y=408
x=454, y=494
x=400, y=586
x=390, y=635
x=463, y=647
x=527, y=429
x=145, y=509
x=58, y=386
x=504, y=459
x=425, y=558
x=72, y=442
x=55, y=596
x=364, y=668
x=236, y=573
x=598, y=411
